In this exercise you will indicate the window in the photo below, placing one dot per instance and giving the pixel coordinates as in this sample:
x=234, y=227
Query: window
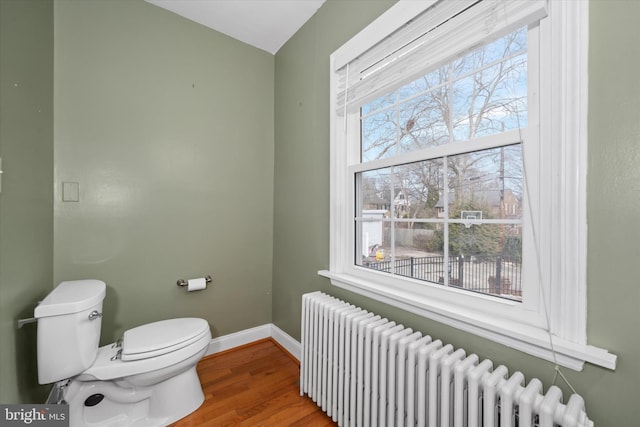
x=448, y=220
x=454, y=164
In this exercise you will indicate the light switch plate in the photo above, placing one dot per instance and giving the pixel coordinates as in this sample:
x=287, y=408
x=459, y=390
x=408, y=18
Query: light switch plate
x=70, y=192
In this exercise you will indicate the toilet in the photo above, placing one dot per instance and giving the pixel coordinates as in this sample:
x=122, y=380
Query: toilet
x=146, y=378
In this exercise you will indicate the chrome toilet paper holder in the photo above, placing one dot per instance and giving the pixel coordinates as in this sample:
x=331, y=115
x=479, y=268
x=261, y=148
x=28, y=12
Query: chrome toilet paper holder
x=183, y=283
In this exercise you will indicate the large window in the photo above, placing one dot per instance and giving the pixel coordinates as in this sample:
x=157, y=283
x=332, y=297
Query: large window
x=458, y=168
x=455, y=219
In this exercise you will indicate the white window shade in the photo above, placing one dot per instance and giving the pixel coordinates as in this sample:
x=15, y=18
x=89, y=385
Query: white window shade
x=426, y=42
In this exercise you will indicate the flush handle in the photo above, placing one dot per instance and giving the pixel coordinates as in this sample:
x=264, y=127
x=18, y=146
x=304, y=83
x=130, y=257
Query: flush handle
x=95, y=315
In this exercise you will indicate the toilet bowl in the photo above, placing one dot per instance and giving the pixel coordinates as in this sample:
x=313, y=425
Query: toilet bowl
x=147, y=378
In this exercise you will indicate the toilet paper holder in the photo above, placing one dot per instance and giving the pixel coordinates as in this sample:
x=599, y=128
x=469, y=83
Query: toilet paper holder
x=182, y=282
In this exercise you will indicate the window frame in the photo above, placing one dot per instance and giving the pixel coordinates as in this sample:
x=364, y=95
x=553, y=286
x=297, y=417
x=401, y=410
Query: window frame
x=563, y=120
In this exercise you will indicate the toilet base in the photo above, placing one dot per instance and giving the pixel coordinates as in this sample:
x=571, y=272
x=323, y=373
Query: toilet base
x=121, y=404
x=176, y=397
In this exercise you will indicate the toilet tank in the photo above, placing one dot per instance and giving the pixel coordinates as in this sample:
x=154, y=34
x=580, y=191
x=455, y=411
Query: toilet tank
x=69, y=322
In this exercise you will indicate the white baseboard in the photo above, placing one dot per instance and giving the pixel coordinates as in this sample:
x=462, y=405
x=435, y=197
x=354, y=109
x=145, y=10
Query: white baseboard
x=237, y=339
x=247, y=336
x=286, y=341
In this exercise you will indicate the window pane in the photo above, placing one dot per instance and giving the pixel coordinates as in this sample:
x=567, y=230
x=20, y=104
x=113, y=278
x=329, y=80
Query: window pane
x=374, y=192
x=490, y=88
x=491, y=101
x=417, y=190
x=486, y=258
x=487, y=182
x=376, y=237
x=373, y=195
x=379, y=135
x=418, y=252
x=486, y=185
x=423, y=121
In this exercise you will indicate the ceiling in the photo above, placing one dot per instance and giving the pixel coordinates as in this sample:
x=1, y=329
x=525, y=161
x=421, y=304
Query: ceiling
x=265, y=24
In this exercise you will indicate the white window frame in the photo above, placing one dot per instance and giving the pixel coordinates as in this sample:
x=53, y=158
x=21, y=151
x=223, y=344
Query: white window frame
x=559, y=220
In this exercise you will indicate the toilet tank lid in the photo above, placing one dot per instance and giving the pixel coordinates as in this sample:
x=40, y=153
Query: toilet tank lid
x=71, y=297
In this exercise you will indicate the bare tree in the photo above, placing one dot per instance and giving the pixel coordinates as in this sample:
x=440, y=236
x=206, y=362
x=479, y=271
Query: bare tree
x=476, y=95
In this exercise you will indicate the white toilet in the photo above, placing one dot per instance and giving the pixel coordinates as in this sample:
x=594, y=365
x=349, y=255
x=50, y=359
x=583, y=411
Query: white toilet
x=147, y=378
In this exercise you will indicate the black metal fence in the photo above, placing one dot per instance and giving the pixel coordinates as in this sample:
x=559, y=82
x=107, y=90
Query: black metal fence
x=495, y=275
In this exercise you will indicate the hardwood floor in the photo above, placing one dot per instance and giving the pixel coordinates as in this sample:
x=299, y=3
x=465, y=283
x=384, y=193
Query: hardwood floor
x=254, y=385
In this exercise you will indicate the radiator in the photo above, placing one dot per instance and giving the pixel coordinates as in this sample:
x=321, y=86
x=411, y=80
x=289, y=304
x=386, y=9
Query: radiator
x=364, y=370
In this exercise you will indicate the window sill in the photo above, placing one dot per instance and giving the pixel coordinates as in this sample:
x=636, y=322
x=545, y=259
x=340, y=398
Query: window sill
x=529, y=339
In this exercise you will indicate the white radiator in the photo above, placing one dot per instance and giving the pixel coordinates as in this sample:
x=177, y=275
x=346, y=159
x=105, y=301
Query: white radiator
x=363, y=370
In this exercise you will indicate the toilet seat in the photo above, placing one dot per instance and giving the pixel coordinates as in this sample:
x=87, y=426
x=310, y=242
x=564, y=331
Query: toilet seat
x=109, y=365
x=158, y=338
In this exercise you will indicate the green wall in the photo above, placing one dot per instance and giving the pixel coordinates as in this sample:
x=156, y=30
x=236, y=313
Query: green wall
x=26, y=220
x=301, y=234
x=167, y=127
x=196, y=154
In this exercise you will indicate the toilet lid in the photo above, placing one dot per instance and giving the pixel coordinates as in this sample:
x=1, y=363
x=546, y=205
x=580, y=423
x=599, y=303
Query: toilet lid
x=157, y=338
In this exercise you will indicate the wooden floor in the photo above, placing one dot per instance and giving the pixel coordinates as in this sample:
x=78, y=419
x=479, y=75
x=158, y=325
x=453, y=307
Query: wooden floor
x=254, y=385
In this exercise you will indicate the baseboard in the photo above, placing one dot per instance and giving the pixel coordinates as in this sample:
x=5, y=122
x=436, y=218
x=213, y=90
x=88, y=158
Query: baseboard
x=286, y=341
x=237, y=339
x=247, y=336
